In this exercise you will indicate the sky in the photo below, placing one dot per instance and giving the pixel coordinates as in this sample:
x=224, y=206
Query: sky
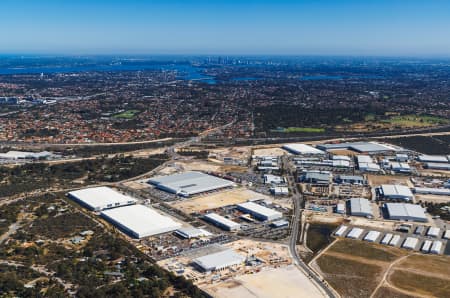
x=272, y=27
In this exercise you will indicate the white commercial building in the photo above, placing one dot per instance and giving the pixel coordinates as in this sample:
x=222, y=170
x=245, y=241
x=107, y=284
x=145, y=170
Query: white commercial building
x=355, y=233
x=372, y=236
x=395, y=192
x=446, y=235
x=273, y=179
x=279, y=191
x=340, y=232
x=189, y=183
x=219, y=260
x=438, y=166
x=221, y=222
x=386, y=239
x=433, y=232
x=395, y=240
x=366, y=164
x=436, y=247
x=432, y=191
x=410, y=243
x=433, y=158
x=408, y=212
x=259, y=212
x=426, y=246
x=190, y=233
x=140, y=221
x=303, y=149
x=14, y=155
x=100, y=198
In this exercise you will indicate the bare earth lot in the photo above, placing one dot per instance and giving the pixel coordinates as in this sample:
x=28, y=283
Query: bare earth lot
x=281, y=282
x=217, y=200
x=361, y=269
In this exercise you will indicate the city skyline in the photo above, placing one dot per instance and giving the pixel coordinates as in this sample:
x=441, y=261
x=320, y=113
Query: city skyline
x=379, y=28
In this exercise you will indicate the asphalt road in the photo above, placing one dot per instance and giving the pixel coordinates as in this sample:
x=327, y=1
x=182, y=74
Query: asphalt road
x=297, y=199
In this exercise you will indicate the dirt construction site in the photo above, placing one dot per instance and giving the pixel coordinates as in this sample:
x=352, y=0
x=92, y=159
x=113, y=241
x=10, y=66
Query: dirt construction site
x=217, y=200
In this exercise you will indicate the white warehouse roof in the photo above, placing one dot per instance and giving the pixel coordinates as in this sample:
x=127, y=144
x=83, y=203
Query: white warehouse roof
x=433, y=231
x=410, y=243
x=372, y=236
x=302, y=149
x=436, y=247
x=189, y=183
x=402, y=211
x=433, y=158
x=101, y=198
x=395, y=191
x=140, y=221
x=222, y=221
x=387, y=238
x=259, y=211
x=355, y=233
x=219, y=260
x=341, y=231
x=24, y=155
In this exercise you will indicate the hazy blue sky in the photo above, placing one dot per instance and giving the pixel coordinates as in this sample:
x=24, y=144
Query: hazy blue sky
x=360, y=27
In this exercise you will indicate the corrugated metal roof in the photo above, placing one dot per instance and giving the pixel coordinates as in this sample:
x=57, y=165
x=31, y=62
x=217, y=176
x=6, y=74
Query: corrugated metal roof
x=190, y=183
x=219, y=260
x=102, y=197
x=141, y=220
x=360, y=205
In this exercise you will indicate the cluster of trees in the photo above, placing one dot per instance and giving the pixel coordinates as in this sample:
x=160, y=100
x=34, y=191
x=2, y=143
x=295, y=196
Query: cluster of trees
x=425, y=144
x=39, y=176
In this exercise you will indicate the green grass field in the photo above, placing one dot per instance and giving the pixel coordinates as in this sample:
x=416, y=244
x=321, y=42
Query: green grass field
x=416, y=120
x=130, y=114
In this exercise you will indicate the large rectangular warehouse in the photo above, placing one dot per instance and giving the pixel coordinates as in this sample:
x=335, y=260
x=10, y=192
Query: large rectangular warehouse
x=408, y=212
x=360, y=207
x=219, y=260
x=259, y=212
x=100, y=198
x=303, y=149
x=396, y=192
x=139, y=221
x=222, y=222
x=189, y=183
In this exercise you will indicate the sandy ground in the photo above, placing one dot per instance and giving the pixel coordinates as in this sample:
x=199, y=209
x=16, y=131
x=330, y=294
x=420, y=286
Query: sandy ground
x=433, y=198
x=276, y=151
x=220, y=199
x=281, y=282
x=376, y=180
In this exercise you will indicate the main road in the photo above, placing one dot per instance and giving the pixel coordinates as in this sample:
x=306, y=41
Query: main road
x=297, y=200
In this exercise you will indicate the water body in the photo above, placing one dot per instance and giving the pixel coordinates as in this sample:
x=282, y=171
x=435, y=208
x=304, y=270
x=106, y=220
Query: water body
x=239, y=79
x=184, y=72
x=327, y=77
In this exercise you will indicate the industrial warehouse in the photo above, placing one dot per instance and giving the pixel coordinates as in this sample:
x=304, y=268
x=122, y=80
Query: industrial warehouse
x=303, y=149
x=189, y=183
x=139, y=221
x=395, y=192
x=408, y=212
x=100, y=198
x=259, y=212
x=360, y=207
x=219, y=260
x=221, y=222
x=362, y=147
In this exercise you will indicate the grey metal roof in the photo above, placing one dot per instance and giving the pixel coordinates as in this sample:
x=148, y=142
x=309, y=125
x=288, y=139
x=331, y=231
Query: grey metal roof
x=219, y=260
x=402, y=210
x=189, y=183
x=360, y=147
x=360, y=205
